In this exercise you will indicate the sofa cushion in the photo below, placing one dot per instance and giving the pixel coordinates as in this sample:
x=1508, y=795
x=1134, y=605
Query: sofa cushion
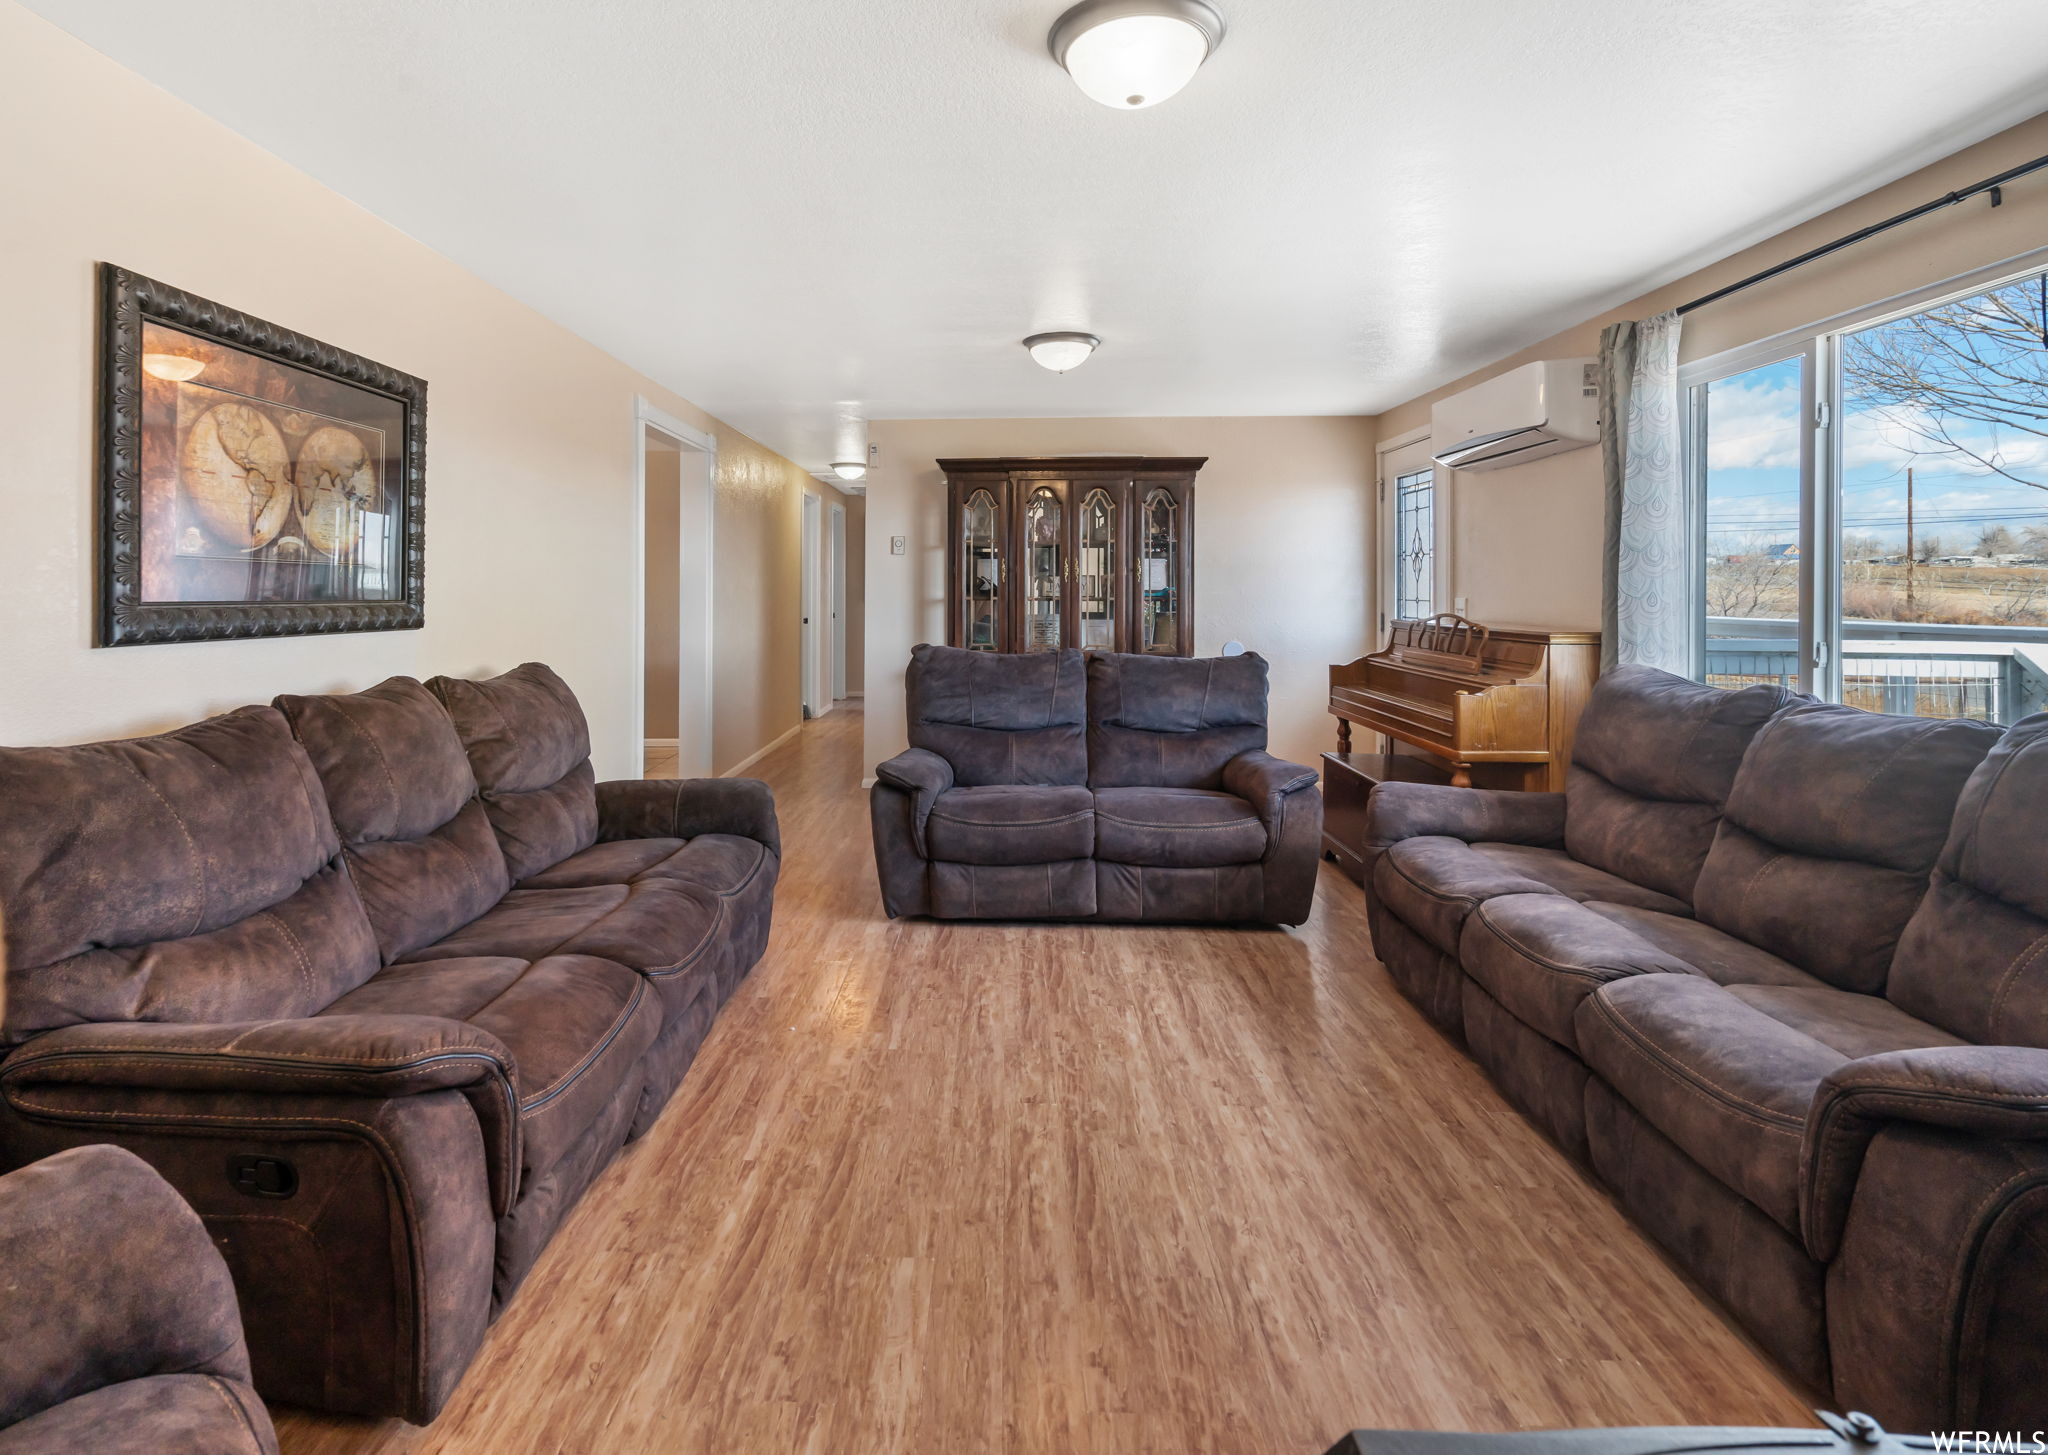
x=1434, y=882
x=1176, y=828
x=722, y=863
x=656, y=926
x=1834, y=822
x=1653, y=759
x=192, y=876
x=1011, y=825
x=1000, y=717
x=576, y=1027
x=159, y=1414
x=1974, y=957
x=419, y=844
x=1171, y=722
x=1729, y=1072
x=1539, y=955
x=529, y=747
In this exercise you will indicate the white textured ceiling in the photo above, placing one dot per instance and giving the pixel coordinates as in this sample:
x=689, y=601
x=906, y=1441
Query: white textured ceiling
x=799, y=213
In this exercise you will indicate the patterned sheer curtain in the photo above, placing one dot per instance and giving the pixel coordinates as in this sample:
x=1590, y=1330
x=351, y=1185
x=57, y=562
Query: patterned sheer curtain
x=1651, y=615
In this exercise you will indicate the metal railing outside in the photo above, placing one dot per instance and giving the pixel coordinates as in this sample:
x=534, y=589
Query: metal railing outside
x=1916, y=669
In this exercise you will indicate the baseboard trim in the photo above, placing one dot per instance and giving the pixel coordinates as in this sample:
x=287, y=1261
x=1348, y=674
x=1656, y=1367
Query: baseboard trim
x=867, y=783
x=661, y=742
x=745, y=763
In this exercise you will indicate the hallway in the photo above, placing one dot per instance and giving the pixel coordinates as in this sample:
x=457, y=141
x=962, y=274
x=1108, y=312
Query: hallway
x=1073, y=1188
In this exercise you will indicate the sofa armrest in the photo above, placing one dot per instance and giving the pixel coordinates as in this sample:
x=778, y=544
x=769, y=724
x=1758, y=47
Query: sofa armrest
x=1398, y=811
x=110, y=1277
x=917, y=770
x=682, y=808
x=346, y=1055
x=1998, y=1092
x=922, y=774
x=1264, y=781
x=375, y=1056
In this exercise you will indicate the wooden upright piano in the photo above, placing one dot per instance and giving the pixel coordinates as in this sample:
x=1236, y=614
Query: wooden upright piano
x=1461, y=703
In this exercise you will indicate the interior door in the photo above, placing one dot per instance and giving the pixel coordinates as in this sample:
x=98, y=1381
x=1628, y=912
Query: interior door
x=1043, y=590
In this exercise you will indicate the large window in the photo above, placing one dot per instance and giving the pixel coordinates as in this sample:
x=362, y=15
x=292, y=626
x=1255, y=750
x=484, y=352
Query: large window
x=1874, y=507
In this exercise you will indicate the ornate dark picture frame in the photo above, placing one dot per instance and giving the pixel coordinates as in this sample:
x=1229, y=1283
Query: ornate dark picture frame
x=129, y=614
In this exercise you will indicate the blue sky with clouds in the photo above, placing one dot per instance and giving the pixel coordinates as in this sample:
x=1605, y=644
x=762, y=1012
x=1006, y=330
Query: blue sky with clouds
x=1753, y=471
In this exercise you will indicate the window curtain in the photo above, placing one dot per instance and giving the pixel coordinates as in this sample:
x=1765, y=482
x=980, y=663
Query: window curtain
x=1650, y=615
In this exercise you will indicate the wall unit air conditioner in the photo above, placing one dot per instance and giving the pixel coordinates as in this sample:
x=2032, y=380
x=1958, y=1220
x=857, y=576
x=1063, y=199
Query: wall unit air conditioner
x=1539, y=409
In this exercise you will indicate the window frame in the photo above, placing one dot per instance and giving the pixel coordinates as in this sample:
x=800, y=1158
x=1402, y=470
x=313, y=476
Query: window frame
x=1819, y=630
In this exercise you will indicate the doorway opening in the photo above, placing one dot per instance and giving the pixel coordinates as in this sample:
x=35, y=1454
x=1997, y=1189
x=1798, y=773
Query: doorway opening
x=675, y=466
x=825, y=630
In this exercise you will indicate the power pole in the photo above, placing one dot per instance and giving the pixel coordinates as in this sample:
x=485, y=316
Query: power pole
x=1912, y=555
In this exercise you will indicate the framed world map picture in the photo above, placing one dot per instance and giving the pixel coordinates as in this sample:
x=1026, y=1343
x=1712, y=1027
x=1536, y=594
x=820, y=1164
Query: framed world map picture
x=253, y=482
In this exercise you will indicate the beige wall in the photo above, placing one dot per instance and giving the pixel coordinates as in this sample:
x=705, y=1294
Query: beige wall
x=1281, y=532
x=1527, y=541
x=530, y=437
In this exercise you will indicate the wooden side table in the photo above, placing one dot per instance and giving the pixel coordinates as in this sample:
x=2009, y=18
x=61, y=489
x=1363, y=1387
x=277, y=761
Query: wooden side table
x=1348, y=780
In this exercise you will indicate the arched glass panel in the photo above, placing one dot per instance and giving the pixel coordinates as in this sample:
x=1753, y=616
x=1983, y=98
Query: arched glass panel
x=1159, y=548
x=1043, y=569
x=982, y=563
x=1098, y=571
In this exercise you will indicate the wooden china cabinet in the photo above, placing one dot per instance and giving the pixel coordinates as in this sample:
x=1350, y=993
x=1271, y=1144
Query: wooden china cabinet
x=1093, y=551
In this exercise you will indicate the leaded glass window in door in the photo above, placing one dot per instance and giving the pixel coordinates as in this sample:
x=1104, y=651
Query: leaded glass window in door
x=1098, y=577
x=982, y=562
x=1415, y=544
x=1043, y=568
x=1159, y=548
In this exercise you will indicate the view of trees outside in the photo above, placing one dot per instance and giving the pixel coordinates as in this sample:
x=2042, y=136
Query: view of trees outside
x=1944, y=440
x=1945, y=419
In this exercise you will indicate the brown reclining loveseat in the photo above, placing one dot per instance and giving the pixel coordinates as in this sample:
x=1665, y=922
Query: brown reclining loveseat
x=380, y=983
x=1097, y=785
x=1779, y=971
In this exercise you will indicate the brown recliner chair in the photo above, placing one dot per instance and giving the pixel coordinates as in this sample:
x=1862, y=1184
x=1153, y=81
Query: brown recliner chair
x=118, y=1326
x=1105, y=785
x=380, y=983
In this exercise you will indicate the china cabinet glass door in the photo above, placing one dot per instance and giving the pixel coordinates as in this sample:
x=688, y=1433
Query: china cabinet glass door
x=1159, y=572
x=981, y=568
x=1096, y=602
x=1043, y=541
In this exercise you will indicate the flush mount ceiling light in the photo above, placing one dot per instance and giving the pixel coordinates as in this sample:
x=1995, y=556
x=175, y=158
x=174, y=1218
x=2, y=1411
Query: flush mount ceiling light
x=1060, y=352
x=1135, y=53
x=849, y=469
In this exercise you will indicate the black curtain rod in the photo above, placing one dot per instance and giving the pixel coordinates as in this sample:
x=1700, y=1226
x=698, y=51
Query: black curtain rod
x=1989, y=184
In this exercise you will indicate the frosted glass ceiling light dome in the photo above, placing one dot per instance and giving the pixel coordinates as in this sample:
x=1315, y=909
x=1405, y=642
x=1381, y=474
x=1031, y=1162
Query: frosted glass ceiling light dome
x=1060, y=352
x=1135, y=53
x=849, y=469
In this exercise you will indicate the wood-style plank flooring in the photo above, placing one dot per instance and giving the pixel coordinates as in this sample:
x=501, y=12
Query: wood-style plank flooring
x=965, y=1188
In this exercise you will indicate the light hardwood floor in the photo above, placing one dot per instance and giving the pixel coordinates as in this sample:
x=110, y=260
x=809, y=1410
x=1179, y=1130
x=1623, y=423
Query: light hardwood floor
x=1056, y=1188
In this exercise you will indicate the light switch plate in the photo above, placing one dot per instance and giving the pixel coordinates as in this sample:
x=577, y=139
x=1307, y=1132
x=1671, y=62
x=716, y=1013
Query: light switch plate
x=898, y=544
x=1458, y=605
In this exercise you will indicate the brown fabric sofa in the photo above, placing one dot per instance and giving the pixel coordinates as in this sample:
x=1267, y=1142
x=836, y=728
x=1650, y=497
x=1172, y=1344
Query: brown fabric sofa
x=1107, y=786
x=1778, y=971
x=380, y=983
x=118, y=1326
